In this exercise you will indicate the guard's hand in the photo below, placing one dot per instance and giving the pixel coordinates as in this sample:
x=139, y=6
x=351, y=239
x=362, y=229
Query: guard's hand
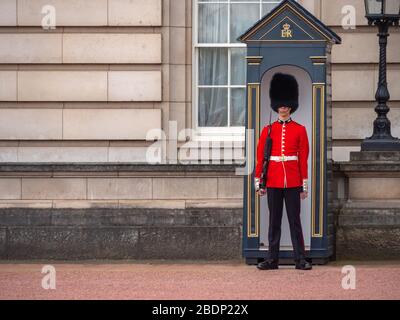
x=303, y=195
x=261, y=192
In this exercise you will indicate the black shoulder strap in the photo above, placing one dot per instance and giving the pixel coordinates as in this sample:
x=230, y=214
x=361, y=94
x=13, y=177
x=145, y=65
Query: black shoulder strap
x=270, y=126
x=268, y=140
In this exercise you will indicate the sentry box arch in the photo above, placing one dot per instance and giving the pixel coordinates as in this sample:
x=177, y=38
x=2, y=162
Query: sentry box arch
x=290, y=40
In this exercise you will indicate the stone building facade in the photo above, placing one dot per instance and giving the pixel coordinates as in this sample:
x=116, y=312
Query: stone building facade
x=85, y=104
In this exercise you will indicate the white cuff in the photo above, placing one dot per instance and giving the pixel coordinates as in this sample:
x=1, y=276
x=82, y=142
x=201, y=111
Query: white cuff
x=305, y=185
x=257, y=184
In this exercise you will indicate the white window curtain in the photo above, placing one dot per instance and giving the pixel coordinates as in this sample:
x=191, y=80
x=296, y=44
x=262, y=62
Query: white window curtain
x=220, y=75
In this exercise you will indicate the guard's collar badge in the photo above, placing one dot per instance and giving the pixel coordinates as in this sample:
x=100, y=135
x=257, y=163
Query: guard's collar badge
x=286, y=121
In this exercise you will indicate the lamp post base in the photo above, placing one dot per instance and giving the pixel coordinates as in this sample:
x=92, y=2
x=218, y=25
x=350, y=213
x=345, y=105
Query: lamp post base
x=380, y=145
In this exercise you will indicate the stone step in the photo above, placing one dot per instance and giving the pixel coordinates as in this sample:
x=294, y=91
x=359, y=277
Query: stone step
x=389, y=156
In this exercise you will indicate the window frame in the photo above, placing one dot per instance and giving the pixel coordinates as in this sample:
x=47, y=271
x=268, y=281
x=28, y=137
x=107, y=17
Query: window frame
x=235, y=133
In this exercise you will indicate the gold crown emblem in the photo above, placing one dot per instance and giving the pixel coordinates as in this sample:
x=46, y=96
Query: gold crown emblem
x=286, y=26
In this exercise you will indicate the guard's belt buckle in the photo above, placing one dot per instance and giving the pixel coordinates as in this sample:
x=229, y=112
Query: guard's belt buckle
x=283, y=158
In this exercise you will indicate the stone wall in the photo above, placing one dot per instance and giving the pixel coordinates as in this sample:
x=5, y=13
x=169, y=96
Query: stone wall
x=90, y=90
x=119, y=185
x=120, y=211
x=125, y=233
x=367, y=208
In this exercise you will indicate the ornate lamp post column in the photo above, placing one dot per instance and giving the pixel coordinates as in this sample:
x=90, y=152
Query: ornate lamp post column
x=383, y=14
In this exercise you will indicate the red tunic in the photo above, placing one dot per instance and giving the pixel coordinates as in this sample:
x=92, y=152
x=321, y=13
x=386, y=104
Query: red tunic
x=289, y=139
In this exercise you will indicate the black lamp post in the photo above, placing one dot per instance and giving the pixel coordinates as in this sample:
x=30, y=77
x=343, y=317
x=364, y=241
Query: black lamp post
x=382, y=13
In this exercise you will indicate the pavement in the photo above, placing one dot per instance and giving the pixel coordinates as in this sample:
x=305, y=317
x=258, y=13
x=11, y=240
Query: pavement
x=187, y=280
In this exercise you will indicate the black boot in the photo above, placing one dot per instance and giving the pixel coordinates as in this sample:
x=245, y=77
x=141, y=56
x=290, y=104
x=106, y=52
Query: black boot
x=303, y=265
x=268, y=265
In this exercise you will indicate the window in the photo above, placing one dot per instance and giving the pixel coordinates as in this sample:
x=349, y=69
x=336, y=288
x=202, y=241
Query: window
x=219, y=68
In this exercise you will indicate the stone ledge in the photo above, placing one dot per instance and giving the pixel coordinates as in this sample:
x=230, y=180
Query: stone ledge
x=370, y=161
x=122, y=204
x=369, y=204
x=369, y=213
x=120, y=217
x=370, y=217
x=115, y=167
x=372, y=167
x=388, y=156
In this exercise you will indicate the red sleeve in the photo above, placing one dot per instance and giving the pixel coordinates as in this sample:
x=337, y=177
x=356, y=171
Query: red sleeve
x=303, y=154
x=260, y=152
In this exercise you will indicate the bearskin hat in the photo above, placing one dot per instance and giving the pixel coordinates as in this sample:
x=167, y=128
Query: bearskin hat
x=284, y=91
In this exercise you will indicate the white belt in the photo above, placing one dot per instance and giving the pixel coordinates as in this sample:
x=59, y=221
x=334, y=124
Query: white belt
x=282, y=158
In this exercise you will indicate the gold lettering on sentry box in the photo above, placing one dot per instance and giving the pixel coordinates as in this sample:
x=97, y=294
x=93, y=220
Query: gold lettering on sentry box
x=286, y=32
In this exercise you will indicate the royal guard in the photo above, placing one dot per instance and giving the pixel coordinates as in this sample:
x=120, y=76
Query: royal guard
x=281, y=170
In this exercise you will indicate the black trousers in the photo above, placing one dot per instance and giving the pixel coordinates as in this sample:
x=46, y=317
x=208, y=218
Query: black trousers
x=293, y=205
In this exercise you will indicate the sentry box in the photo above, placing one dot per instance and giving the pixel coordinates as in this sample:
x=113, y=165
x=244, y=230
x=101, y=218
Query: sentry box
x=291, y=40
